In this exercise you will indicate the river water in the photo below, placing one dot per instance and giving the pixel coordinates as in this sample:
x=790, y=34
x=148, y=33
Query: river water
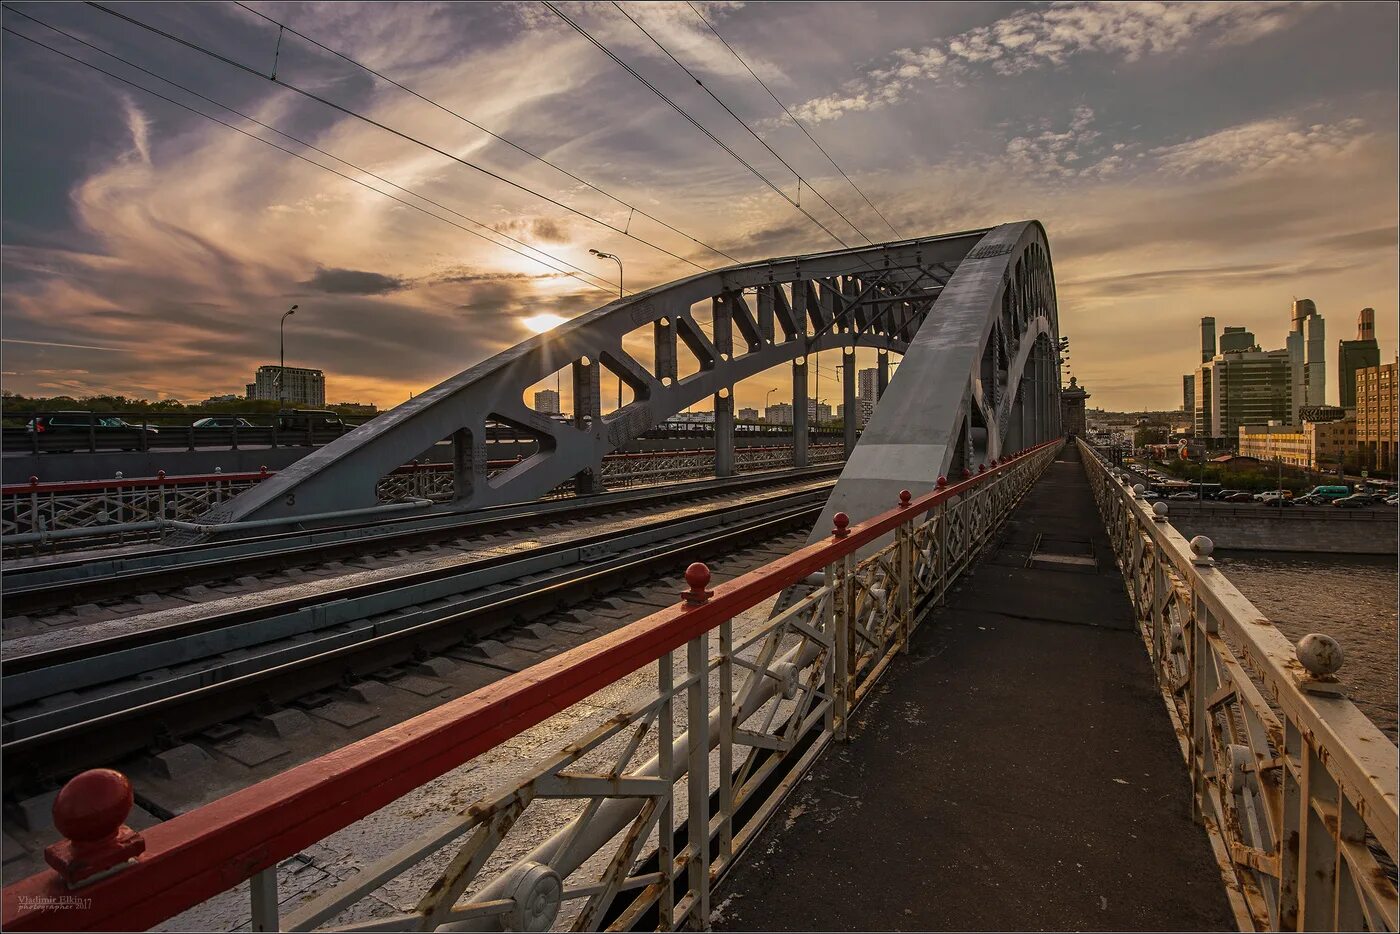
x=1349, y=597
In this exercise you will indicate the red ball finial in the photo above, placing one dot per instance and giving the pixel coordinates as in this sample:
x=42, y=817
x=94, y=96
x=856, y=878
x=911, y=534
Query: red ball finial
x=840, y=521
x=904, y=497
x=942, y=482
x=93, y=806
x=160, y=474
x=966, y=473
x=698, y=577
x=981, y=468
x=33, y=481
x=262, y=471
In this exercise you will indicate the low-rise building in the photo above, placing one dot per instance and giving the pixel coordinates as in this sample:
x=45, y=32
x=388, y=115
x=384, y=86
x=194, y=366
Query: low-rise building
x=1377, y=394
x=1322, y=446
x=304, y=386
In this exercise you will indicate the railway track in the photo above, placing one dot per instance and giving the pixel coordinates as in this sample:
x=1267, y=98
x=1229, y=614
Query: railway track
x=90, y=588
x=94, y=694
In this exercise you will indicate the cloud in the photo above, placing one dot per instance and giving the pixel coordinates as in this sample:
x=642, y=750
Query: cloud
x=547, y=229
x=1261, y=144
x=354, y=282
x=1049, y=36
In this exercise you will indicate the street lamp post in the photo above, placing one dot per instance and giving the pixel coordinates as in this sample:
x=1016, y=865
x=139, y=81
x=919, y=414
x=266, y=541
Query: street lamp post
x=618, y=259
x=282, y=366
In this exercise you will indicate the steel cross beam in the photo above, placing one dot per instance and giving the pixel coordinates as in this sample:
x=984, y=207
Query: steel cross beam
x=342, y=476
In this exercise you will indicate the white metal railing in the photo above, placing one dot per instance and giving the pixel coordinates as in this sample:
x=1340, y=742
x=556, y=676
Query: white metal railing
x=119, y=510
x=635, y=818
x=1295, y=786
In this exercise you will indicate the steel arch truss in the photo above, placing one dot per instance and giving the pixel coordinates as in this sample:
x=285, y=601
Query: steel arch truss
x=762, y=315
x=980, y=379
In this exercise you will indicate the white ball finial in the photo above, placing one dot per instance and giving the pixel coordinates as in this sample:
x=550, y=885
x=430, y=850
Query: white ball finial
x=1321, y=655
x=1160, y=512
x=1138, y=490
x=1202, y=547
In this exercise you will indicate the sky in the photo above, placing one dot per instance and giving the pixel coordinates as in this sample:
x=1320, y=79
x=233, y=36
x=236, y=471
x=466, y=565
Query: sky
x=1191, y=159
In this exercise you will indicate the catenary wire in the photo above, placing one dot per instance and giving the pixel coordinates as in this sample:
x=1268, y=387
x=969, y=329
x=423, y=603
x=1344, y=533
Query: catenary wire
x=691, y=120
x=388, y=129
x=472, y=123
x=297, y=155
x=314, y=148
x=796, y=122
x=727, y=109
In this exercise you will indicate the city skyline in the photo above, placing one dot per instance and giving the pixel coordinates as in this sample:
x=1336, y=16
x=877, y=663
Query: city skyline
x=128, y=217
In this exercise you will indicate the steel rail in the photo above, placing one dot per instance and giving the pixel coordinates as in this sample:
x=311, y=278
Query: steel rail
x=230, y=694
x=468, y=571
x=167, y=571
x=197, y=855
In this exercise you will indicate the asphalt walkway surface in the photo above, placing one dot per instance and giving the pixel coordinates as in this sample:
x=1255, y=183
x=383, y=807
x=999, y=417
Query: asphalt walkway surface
x=1016, y=771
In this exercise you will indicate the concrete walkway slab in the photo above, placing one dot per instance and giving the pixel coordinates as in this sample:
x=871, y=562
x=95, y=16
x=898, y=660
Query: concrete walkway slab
x=1016, y=771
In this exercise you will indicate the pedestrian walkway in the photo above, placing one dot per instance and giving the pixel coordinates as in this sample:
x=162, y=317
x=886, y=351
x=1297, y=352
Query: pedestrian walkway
x=1017, y=770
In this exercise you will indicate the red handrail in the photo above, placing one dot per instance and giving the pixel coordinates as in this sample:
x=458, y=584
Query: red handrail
x=196, y=855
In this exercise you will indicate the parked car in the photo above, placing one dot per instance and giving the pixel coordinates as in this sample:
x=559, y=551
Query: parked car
x=1311, y=500
x=1355, y=501
x=1278, y=501
x=316, y=418
x=1184, y=494
x=82, y=425
x=1269, y=496
x=1239, y=497
x=1223, y=495
x=1330, y=492
x=224, y=421
x=1150, y=494
x=1392, y=499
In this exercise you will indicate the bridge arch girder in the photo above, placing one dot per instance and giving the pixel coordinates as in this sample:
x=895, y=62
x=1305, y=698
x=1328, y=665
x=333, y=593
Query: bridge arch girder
x=980, y=379
x=763, y=314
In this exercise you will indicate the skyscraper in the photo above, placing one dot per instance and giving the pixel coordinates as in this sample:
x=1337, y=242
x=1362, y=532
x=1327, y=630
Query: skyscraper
x=1207, y=339
x=1188, y=394
x=1356, y=355
x=1307, y=355
x=867, y=383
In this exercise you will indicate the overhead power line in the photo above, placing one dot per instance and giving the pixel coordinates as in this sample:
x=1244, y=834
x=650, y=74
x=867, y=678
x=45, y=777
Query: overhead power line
x=691, y=120
x=796, y=122
x=303, y=158
x=388, y=129
x=472, y=123
x=727, y=109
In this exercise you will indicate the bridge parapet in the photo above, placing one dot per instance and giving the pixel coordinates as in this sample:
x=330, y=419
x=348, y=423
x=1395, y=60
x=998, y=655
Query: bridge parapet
x=1295, y=786
x=611, y=839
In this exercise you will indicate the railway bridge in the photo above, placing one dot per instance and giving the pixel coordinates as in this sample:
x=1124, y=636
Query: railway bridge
x=966, y=677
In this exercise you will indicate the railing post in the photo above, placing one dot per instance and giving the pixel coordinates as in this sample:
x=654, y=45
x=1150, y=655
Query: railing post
x=698, y=781
x=665, y=740
x=726, y=741
x=904, y=536
x=263, y=891
x=842, y=601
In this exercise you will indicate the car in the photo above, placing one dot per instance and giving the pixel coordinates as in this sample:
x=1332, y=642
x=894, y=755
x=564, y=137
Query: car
x=1278, y=501
x=1224, y=494
x=1183, y=495
x=316, y=418
x=1310, y=500
x=80, y=425
x=223, y=421
x=1330, y=492
x=1392, y=499
x=1354, y=501
x=1269, y=496
x=1150, y=494
x=1239, y=497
